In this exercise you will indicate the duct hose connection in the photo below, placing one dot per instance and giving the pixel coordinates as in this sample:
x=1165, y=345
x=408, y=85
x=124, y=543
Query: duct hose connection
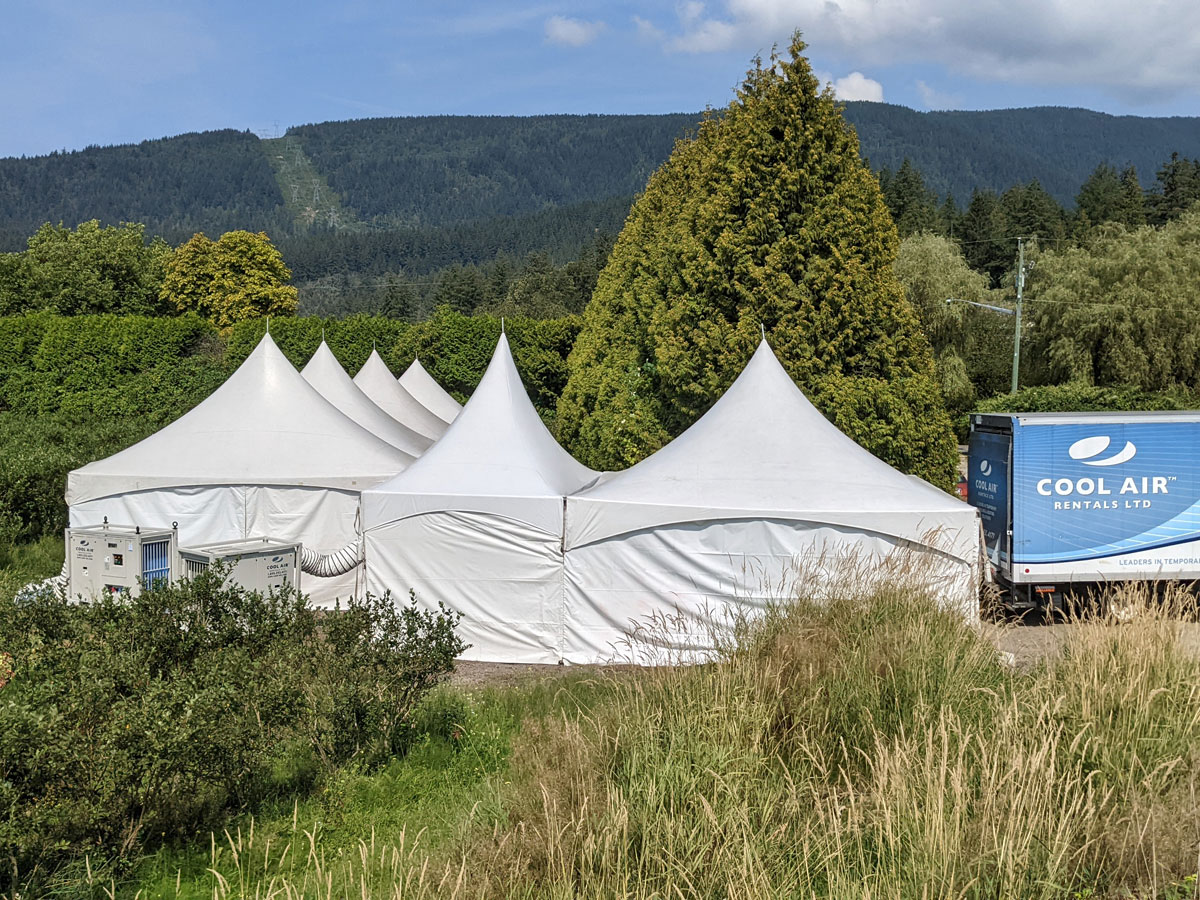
x=337, y=562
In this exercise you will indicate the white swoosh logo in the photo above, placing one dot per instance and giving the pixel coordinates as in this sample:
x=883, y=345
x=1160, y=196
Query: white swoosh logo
x=1085, y=449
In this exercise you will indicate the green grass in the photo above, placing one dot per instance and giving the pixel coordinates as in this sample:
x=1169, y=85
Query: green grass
x=21, y=564
x=419, y=807
x=856, y=749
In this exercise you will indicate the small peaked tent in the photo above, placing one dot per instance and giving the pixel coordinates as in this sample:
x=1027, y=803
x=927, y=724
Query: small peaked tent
x=375, y=380
x=426, y=391
x=264, y=454
x=476, y=523
x=761, y=497
x=326, y=374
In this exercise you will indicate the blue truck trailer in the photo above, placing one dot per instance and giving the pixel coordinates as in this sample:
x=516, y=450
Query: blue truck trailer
x=1070, y=500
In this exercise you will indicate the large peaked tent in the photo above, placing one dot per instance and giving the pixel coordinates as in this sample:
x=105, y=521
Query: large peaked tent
x=264, y=454
x=426, y=391
x=476, y=523
x=326, y=374
x=760, y=497
x=376, y=381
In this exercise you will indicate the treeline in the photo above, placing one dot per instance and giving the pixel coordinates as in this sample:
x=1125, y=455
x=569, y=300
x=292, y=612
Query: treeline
x=107, y=269
x=534, y=286
x=988, y=227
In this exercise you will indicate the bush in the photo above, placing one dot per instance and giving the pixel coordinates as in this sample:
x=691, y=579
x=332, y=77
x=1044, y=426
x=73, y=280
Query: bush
x=1083, y=398
x=128, y=722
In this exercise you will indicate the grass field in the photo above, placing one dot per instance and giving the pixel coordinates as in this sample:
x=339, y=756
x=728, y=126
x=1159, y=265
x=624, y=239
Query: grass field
x=873, y=748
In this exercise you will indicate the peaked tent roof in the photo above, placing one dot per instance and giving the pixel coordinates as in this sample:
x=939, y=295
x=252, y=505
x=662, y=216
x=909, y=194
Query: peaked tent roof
x=376, y=381
x=264, y=425
x=426, y=391
x=763, y=450
x=497, y=457
x=326, y=374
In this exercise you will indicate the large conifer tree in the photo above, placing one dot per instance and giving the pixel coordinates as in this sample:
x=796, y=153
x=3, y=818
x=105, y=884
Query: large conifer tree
x=769, y=218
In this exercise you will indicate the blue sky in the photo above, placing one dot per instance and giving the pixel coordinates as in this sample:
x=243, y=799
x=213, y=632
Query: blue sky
x=81, y=72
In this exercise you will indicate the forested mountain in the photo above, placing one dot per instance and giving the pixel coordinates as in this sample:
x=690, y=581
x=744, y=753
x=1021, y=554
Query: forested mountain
x=441, y=170
x=445, y=171
x=216, y=181
x=961, y=152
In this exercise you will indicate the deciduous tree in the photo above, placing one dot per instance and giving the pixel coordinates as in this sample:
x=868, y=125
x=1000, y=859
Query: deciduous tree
x=241, y=276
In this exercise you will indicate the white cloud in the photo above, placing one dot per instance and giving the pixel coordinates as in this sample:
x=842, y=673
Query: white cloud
x=857, y=86
x=932, y=98
x=572, y=32
x=647, y=30
x=1129, y=49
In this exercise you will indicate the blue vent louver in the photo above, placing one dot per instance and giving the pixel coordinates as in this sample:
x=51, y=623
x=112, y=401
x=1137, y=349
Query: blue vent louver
x=156, y=563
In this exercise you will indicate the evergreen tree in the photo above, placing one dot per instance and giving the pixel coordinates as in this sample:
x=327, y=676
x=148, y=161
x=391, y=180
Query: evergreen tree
x=983, y=236
x=1100, y=198
x=768, y=218
x=1179, y=189
x=398, y=300
x=462, y=288
x=1028, y=211
x=949, y=218
x=913, y=206
x=1132, y=210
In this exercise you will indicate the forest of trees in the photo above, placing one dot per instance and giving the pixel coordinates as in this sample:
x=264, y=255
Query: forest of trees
x=440, y=170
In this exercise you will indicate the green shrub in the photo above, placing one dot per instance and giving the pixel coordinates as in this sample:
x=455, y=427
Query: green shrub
x=128, y=722
x=1083, y=398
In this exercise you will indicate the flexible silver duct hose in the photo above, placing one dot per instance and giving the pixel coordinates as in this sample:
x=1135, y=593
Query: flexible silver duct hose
x=56, y=583
x=338, y=562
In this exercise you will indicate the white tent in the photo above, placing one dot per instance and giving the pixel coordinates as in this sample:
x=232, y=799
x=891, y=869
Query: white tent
x=326, y=374
x=265, y=454
x=426, y=391
x=761, y=493
x=476, y=523
x=375, y=380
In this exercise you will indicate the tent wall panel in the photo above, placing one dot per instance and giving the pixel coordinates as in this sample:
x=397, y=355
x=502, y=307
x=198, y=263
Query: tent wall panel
x=205, y=513
x=669, y=593
x=504, y=576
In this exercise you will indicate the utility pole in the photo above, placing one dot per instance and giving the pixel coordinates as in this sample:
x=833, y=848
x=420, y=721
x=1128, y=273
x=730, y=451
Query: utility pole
x=1017, y=336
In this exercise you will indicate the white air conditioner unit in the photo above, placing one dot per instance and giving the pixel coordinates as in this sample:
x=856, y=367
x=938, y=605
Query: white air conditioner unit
x=119, y=559
x=257, y=564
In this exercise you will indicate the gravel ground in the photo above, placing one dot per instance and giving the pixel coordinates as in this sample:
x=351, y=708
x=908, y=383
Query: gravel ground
x=1023, y=644
x=1027, y=644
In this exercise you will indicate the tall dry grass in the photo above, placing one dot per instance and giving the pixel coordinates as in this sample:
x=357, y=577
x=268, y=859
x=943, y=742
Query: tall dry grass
x=871, y=746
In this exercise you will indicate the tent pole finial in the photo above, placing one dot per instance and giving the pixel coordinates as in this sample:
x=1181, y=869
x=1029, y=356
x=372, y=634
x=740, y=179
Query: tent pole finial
x=502, y=324
x=268, y=324
x=763, y=329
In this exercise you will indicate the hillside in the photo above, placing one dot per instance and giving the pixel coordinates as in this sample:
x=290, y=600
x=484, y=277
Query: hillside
x=462, y=188
x=213, y=182
x=444, y=170
x=958, y=152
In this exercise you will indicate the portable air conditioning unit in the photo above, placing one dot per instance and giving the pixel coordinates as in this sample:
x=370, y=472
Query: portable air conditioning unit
x=257, y=564
x=119, y=559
